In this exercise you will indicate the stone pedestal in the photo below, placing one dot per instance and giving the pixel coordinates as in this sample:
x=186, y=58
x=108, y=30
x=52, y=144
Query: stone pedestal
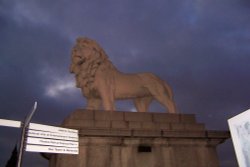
x=132, y=139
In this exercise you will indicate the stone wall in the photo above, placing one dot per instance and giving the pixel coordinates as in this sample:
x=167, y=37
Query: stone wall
x=132, y=139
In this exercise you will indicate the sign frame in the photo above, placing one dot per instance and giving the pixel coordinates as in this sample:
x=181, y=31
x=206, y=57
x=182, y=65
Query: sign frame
x=239, y=127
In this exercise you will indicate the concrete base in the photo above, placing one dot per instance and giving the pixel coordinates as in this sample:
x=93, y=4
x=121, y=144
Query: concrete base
x=132, y=139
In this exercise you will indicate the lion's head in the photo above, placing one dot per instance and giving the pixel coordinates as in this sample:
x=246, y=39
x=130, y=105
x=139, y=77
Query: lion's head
x=84, y=52
x=87, y=56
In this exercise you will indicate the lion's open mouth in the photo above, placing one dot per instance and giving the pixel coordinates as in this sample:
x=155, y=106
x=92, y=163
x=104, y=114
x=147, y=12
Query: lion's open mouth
x=81, y=62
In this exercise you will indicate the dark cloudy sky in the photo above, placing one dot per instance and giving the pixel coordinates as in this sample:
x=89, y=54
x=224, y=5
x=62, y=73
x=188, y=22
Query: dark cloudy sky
x=201, y=47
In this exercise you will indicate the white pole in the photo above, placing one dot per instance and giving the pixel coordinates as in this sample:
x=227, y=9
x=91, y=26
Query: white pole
x=23, y=135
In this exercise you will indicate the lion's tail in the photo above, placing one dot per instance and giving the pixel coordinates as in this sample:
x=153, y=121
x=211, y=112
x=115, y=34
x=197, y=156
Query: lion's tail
x=169, y=91
x=171, y=96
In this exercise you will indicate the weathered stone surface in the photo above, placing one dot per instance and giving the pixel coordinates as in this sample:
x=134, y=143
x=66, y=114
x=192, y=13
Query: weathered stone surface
x=119, y=124
x=131, y=116
x=149, y=125
x=82, y=114
x=102, y=124
x=102, y=115
x=185, y=126
x=80, y=123
x=140, y=140
x=164, y=126
x=146, y=133
x=134, y=125
x=187, y=118
x=166, y=118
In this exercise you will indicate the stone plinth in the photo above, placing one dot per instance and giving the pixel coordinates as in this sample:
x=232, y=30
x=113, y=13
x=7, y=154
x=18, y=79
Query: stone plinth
x=132, y=139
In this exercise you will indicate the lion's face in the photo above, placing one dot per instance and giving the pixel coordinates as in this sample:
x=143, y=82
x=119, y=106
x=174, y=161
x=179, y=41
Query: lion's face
x=79, y=56
x=86, y=57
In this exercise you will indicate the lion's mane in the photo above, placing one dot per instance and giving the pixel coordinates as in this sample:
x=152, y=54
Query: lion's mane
x=86, y=72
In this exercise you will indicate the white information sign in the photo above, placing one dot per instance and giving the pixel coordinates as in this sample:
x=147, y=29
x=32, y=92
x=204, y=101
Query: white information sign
x=51, y=135
x=35, y=126
x=51, y=149
x=49, y=139
x=52, y=142
x=10, y=123
x=55, y=129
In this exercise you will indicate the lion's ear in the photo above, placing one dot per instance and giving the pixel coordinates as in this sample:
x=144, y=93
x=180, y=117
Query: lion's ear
x=103, y=54
x=78, y=40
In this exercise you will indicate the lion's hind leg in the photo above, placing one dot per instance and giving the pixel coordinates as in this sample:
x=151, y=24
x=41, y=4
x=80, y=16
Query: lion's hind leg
x=142, y=103
x=159, y=90
x=162, y=96
x=167, y=102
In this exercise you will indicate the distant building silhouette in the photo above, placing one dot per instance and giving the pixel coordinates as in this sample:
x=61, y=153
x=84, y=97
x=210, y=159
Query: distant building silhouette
x=12, y=162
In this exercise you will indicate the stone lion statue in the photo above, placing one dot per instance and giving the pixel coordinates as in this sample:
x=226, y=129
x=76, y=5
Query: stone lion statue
x=101, y=83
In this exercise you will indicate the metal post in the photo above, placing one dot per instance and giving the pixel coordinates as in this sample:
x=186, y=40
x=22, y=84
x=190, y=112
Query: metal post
x=25, y=125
